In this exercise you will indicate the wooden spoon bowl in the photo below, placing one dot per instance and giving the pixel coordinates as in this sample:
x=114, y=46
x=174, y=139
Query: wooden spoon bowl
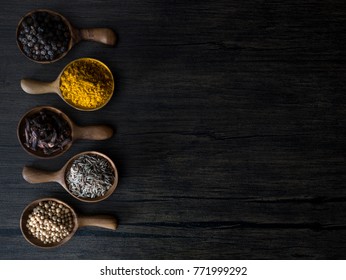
x=93, y=132
x=102, y=35
x=38, y=87
x=103, y=221
x=34, y=176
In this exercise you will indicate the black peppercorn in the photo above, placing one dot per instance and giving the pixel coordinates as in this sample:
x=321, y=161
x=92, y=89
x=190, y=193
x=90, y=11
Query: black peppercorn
x=44, y=35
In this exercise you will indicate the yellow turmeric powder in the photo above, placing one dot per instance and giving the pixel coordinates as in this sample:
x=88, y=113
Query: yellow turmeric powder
x=87, y=84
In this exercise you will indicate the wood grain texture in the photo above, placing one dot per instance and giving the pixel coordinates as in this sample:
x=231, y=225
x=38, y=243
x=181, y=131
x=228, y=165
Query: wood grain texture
x=230, y=124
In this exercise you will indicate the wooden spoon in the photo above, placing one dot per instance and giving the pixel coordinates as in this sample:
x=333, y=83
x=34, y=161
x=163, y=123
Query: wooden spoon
x=93, y=132
x=38, y=87
x=34, y=176
x=102, y=221
x=101, y=35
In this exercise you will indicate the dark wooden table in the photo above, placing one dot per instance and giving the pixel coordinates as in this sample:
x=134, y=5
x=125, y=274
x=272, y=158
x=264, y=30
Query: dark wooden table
x=230, y=121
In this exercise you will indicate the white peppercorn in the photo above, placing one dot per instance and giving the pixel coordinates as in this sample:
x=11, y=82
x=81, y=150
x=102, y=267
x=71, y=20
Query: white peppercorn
x=50, y=228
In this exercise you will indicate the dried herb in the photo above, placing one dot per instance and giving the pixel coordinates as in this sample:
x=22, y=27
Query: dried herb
x=46, y=131
x=90, y=176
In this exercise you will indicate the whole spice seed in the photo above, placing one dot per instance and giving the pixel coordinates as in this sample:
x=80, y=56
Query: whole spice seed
x=86, y=83
x=46, y=131
x=50, y=222
x=90, y=176
x=43, y=36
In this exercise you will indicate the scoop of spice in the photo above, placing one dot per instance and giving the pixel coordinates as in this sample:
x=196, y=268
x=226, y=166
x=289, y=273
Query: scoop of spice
x=43, y=36
x=90, y=176
x=46, y=131
x=50, y=222
x=86, y=83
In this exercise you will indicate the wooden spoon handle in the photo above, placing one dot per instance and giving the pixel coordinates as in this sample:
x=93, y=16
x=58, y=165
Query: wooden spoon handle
x=33, y=175
x=103, y=221
x=92, y=132
x=101, y=35
x=37, y=87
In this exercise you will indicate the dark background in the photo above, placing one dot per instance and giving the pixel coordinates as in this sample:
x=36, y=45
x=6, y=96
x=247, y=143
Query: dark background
x=230, y=129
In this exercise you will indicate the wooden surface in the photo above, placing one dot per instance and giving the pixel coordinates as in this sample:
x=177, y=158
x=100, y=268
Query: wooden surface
x=230, y=121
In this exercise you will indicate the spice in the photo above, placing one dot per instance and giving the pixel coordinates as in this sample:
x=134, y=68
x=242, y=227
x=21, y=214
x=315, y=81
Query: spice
x=46, y=131
x=86, y=83
x=50, y=222
x=90, y=176
x=43, y=36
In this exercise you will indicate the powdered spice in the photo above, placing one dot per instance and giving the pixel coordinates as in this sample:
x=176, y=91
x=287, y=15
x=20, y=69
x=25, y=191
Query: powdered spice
x=87, y=84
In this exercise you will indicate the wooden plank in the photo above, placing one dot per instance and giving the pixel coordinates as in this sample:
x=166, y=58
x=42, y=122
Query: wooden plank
x=230, y=123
